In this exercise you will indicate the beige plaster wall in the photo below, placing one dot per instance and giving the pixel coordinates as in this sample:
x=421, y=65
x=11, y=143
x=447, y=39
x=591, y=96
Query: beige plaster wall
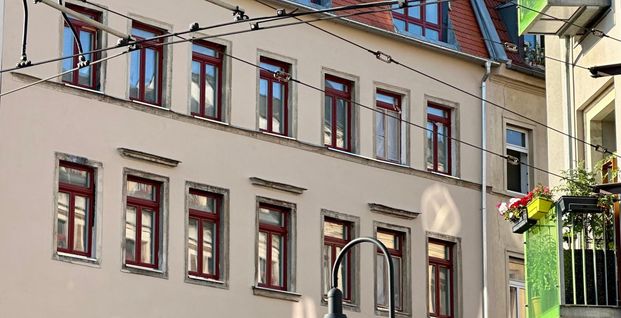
x=37, y=122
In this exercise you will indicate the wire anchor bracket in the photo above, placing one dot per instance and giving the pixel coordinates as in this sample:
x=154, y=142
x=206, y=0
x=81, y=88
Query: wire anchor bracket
x=282, y=76
x=383, y=57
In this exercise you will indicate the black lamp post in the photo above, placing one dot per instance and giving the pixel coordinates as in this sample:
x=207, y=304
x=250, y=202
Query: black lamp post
x=335, y=296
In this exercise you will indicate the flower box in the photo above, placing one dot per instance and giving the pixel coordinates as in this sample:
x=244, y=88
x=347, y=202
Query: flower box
x=573, y=204
x=523, y=224
x=537, y=208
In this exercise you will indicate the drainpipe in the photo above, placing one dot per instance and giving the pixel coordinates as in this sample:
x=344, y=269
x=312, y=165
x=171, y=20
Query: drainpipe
x=488, y=66
x=569, y=79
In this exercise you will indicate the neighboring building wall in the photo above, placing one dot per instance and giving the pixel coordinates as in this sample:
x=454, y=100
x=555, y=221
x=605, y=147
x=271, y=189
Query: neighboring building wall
x=52, y=118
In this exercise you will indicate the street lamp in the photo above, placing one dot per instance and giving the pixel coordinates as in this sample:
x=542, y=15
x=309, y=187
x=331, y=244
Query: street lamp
x=335, y=296
x=605, y=70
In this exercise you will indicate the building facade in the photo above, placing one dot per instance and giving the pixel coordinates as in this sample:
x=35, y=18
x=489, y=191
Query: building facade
x=223, y=175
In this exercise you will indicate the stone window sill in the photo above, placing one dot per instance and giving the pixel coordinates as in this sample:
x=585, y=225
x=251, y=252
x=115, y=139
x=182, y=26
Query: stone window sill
x=133, y=269
x=191, y=279
x=76, y=259
x=275, y=293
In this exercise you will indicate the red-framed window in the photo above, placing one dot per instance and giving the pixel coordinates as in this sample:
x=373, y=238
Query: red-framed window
x=273, y=97
x=388, y=126
x=204, y=234
x=394, y=241
x=75, y=212
x=206, y=80
x=438, y=135
x=146, y=65
x=337, y=132
x=336, y=234
x=440, y=258
x=273, y=242
x=87, y=77
x=424, y=20
x=142, y=222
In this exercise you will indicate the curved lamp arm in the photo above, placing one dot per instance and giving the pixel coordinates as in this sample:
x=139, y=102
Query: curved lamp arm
x=335, y=296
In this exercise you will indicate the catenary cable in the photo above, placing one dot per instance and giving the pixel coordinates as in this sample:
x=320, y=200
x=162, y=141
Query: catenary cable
x=509, y=159
x=389, y=59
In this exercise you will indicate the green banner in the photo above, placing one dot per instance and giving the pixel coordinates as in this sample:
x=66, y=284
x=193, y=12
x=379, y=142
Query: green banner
x=528, y=11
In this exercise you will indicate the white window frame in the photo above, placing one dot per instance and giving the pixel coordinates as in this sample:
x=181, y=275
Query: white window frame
x=524, y=170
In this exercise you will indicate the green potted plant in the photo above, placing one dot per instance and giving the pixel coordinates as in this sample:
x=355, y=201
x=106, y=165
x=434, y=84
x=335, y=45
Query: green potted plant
x=539, y=202
x=579, y=195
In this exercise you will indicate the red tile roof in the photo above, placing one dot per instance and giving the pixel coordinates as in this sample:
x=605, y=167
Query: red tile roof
x=464, y=23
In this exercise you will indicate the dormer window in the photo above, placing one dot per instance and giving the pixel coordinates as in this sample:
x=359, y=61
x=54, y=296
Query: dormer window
x=421, y=19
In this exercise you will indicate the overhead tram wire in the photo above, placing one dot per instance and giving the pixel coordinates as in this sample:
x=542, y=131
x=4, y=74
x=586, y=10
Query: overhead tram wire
x=384, y=57
x=595, y=32
x=373, y=109
x=510, y=159
x=134, y=47
x=281, y=15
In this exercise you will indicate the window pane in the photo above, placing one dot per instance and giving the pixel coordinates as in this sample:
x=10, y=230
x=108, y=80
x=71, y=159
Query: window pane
x=399, y=25
x=195, y=89
x=379, y=135
x=397, y=9
x=343, y=277
x=335, y=230
x=336, y=85
x=270, y=67
x=140, y=190
x=209, y=248
x=393, y=136
x=147, y=249
x=134, y=74
x=142, y=33
x=278, y=111
x=430, y=145
x=389, y=239
x=431, y=12
x=327, y=122
x=263, y=103
x=269, y=216
x=327, y=268
x=204, y=50
x=513, y=298
x=440, y=251
x=211, y=90
x=74, y=176
x=342, y=129
x=80, y=224
x=516, y=270
x=386, y=99
x=445, y=291
x=68, y=43
x=432, y=34
x=277, y=260
x=436, y=112
x=432, y=289
x=415, y=29
x=87, y=39
x=202, y=203
x=62, y=227
x=151, y=79
x=130, y=233
x=514, y=174
x=396, y=263
x=443, y=149
x=522, y=302
x=516, y=138
x=193, y=245
x=381, y=292
x=414, y=11
x=262, y=258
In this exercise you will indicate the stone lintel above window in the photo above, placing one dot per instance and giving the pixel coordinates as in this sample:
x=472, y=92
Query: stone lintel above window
x=400, y=213
x=140, y=155
x=277, y=185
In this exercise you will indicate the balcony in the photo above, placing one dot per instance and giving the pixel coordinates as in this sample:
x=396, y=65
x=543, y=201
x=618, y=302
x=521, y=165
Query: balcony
x=571, y=261
x=558, y=17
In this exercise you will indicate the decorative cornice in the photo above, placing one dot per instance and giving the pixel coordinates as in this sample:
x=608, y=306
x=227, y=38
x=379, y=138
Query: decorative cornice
x=277, y=185
x=135, y=154
x=400, y=213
